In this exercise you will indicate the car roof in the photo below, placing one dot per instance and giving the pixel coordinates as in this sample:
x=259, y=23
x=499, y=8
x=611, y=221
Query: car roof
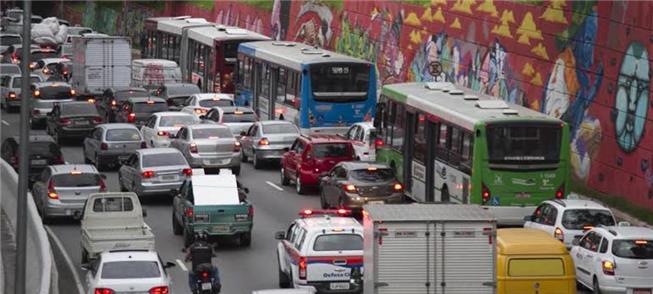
x=76, y=103
x=51, y=84
x=150, y=151
x=120, y=255
x=234, y=108
x=172, y=113
x=207, y=126
x=220, y=189
x=145, y=99
x=352, y=165
x=527, y=241
x=577, y=203
x=627, y=232
x=324, y=138
x=207, y=96
x=67, y=168
x=319, y=222
x=114, y=126
x=54, y=60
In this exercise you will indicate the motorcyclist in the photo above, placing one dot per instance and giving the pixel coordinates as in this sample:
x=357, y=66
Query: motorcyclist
x=200, y=253
x=57, y=74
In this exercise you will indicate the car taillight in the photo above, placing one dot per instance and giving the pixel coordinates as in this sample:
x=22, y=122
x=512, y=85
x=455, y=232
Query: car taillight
x=560, y=193
x=114, y=103
x=97, y=120
x=59, y=159
x=104, y=146
x=148, y=174
x=193, y=148
x=36, y=112
x=378, y=143
x=187, y=172
x=302, y=268
x=143, y=144
x=12, y=95
x=237, y=147
x=160, y=290
x=52, y=194
x=103, y=291
x=485, y=193
x=200, y=110
x=188, y=212
x=608, y=267
x=65, y=121
x=250, y=212
x=397, y=187
x=559, y=234
x=350, y=188
x=131, y=117
x=163, y=133
x=103, y=186
x=263, y=142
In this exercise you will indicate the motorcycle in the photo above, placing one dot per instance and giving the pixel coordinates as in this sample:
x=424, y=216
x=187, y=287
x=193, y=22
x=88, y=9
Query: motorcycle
x=206, y=283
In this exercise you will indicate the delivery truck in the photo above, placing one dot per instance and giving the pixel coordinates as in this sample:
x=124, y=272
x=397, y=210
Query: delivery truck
x=428, y=248
x=100, y=62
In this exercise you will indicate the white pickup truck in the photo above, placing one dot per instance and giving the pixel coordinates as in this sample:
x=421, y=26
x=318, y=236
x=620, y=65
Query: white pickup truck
x=113, y=221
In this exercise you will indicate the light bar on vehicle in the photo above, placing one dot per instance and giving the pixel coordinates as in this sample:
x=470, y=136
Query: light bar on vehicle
x=334, y=212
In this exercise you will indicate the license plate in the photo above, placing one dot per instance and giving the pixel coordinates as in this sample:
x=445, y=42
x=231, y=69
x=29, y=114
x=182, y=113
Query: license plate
x=641, y=291
x=168, y=177
x=221, y=228
x=339, y=286
x=206, y=286
x=81, y=122
x=39, y=161
x=522, y=195
x=375, y=202
x=123, y=157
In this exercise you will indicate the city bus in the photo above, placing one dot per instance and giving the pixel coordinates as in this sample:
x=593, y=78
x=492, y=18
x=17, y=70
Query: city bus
x=164, y=36
x=209, y=55
x=318, y=90
x=450, y=145
x=152, y=41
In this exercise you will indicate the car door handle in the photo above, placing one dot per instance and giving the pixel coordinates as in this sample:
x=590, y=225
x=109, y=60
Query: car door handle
x=588, y=255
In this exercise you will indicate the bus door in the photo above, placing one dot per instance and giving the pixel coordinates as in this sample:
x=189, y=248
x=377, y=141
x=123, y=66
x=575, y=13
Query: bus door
x=274, y=90
x=263, y=95
x=409, y=143
x=256, y=87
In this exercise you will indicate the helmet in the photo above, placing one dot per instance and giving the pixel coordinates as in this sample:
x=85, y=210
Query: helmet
x=201, y=236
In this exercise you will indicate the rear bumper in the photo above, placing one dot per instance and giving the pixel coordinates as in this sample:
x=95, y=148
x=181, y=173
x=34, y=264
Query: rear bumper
x=611, y=286
x=268, y=154
x=235, y=228
x=149, y=189
x=64, y=209
x=357, y=201
x=215, y=161
x=75, y=132
x=324, y=287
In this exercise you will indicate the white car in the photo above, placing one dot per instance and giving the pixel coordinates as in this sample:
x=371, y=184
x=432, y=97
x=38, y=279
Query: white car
x=46, y=66
x=158, y=128
x=10, y=89
x=567, y=219
x=200, y=104
x=128, y=271
x=321, y=251
x=363, y=137
x=615, y=260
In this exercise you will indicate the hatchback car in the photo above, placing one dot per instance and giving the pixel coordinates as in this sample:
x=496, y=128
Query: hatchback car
x=175, y=94
x=567, y=219
x=111, y=144
x=112, y=99
x=128, y=271
x=10, y=89
x=353, y=184
x=616, y=259
x=267, y=140
x=153, y=171
x=10, y=69
x=62, y=190
x=161, y=125
x=72, y=120
x=44, y=96
x=42, y=149
x=200, y=104
x=47, y=66
x=237, y=118
x=138, y=110
x=208, y=146
x=363, y=137
x=310, y=156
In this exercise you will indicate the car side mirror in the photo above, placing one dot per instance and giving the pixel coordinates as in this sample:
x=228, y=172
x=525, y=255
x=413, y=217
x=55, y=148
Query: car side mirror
x=575, y=242
x=144, y=212
x=280, y=235
x=169, y=264
x=528, y=218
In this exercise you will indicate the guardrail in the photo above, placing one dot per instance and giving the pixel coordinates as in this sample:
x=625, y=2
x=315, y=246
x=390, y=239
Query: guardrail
x=40, y=265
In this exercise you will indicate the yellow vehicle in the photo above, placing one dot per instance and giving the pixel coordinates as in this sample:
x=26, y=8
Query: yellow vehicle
x=532, y=262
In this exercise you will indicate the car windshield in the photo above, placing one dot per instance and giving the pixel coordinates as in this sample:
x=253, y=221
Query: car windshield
x=75, y=109
x=163, y=159
x=9, y=69
x=373, y=174
x=76, y=180
x=635, y=249
x=38, y=55
x=524, y=144
x=182, y=90
x=18, y=81
x=123, y=135
x=238, y=117
x=124, y=95
x=216, y=102
x=44, y=148
x=280, y=129
x=144, y=107
x=338, y=242
x=176, y=121
x=331, y=150
x=133, y=269
x=577, y=219
x=212, y=133
x=10, y=40
x=54, y=92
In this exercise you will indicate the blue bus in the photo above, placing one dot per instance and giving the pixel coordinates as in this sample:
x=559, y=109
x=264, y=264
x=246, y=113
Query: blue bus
x=318, y=90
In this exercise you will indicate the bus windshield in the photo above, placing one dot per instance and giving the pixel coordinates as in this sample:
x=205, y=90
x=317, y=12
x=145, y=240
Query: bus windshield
x=524, y=143
x=342, y=82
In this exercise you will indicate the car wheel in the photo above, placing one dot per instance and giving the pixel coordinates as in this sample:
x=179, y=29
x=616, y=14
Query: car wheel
x=284, y=180
x=298, y=186
x=188, y=238
x=235, y=170
x=84, y=256
x=284, y=281
x=595, y=285
x=243, y=157
x=176, y=227
x=98, y=163
x=323, y=202
x=245, y=239
x=256, y=161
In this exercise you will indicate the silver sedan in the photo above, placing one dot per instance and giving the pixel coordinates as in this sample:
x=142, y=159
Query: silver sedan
x=267, y=140
x=153, y=172
x=208, y=146
x=111, y=144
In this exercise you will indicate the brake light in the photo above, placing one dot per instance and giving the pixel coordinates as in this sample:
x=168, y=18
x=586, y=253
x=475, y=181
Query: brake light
x=59, y=159
x=641, y=242
x=263, y=142
x=608, y=267
x=187, y=172
x=250, y=212
x=200, y=110
x=397, y=187
x=97, y=120
x=103, y=291
x=237, y=146
x=131, y=117
x=163, y=133
x=188, y=212
x=350, y=188
x=560, y=193
x=302, y=268
x=113, y=103
x=91, y=100
x=143, y=144
x=343, y=212
x=103, y=186
x=485, y=193
x=65, y=121
x=12, y=95
x=46, y=70
x=73, y=92
x=193, y=148
x=52, y=194
x=378, y=143
x=559, y=234
x=160, y=290
x=148, y=174
x=104, y=146
x=37, y=93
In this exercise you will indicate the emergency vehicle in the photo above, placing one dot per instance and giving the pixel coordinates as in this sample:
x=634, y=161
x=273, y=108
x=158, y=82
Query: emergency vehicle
x=322, y=250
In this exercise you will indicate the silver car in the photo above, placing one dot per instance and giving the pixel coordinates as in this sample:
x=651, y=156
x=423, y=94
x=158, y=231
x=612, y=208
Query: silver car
x=62, y=189
x=10, y=88
x=153, y=171
x=208, y=146
x=237, y=118
x=267, y=140
x=44, y=96
x=111, y=144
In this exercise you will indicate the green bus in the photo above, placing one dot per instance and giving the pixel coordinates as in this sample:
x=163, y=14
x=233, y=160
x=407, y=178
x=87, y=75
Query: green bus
x=449, y=145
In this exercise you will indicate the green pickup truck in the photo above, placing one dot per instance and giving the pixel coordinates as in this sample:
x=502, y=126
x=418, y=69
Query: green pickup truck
x=213, y=204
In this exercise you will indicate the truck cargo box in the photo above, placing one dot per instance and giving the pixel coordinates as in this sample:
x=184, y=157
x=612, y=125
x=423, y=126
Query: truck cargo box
x=101, y=62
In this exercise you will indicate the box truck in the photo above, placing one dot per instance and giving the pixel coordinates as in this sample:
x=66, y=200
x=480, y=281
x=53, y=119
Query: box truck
x=100, y=62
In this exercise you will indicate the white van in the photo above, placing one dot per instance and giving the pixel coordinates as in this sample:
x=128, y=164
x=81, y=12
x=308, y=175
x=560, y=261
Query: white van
x=152, y=73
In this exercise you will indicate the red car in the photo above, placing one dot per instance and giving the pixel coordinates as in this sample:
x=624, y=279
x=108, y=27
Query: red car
x=310, y=156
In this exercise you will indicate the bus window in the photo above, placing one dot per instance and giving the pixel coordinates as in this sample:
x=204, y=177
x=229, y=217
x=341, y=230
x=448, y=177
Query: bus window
x=524, y=144
x=265, y=80
x=398, y=129
x=420, y=139
x=281, y=86
x=340, y=82
x=467, y=152
x=456, y=145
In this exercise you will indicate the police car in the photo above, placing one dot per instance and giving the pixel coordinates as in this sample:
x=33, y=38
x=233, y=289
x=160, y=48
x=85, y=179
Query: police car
x=322, y=250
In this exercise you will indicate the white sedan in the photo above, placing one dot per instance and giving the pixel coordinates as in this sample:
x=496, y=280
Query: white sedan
x=137, y=271
x=200, y=104
x=161, y=125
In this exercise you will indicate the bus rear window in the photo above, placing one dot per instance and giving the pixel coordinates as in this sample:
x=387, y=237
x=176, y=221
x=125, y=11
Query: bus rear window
x=341, y=82
x=536, y=267
x=523, y=144
x=338, y=242
x=634, y=249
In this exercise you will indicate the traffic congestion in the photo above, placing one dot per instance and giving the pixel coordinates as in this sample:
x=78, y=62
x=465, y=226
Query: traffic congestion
x=216, y=160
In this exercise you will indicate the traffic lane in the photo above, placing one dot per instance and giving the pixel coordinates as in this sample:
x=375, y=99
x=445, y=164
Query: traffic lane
x=9, y=124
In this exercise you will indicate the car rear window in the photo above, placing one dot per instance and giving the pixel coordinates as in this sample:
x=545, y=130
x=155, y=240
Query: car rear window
x=177, y=101
x=238, y=117
x=130, y=270
x=113, y=204
x=18, y=82
x=44, y=148
x=217, y=102
x=123, y=135
x=331, y=150
x=10, y=40
x=9, y=69
x=373, y=174
x=54, y=92
x=144, y=107
x=183, y=90
x=576, y=219
x=76, y=180
x=634, y=249
x=338, y=242
x=280, y=129
x=212, y=133
x=87, y=109
x=163, y=159
x=536, y=267
x=176, y=120
x=43, y=54
x=124, y=95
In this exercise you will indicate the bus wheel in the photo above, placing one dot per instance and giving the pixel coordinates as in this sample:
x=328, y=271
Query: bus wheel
x=444, y=194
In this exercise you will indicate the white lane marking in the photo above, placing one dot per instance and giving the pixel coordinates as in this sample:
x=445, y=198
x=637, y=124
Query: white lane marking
x=182, y=265
x=275, y=186
x=66, y=257
x=4, y=122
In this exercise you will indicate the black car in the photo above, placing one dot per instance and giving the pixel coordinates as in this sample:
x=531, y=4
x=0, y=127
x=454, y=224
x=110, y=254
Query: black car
x=113, y=98
x=42, y=150
x=176, y=94
x=72, y=119
x=138, y=110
